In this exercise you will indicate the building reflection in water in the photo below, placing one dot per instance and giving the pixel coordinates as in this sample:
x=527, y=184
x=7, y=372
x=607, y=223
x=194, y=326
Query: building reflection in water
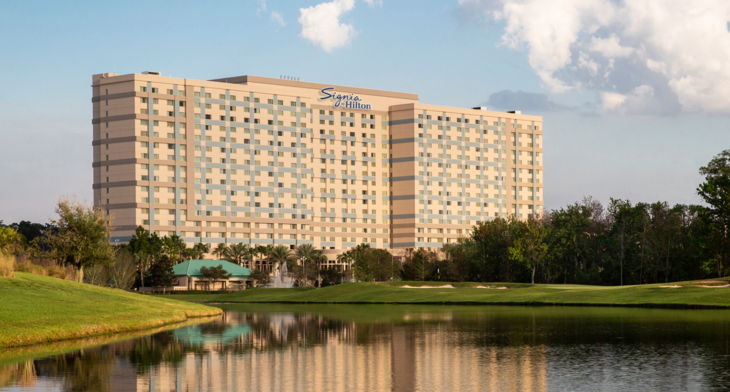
x=287, y=352
x=419, y=351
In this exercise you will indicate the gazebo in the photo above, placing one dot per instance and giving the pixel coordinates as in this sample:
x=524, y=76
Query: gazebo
x=189, y=277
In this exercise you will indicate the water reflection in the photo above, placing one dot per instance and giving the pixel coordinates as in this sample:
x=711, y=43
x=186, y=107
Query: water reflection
x=402, y=348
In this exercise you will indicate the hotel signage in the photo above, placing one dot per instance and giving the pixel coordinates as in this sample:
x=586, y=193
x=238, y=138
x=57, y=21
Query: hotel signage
x=346, y=101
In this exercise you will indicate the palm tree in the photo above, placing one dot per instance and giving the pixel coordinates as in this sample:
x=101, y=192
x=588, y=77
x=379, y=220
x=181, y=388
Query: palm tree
x=320, y=258
x=263, y=251
x=189, y=253
x=200, y=250
x=173, y=247
x=143, y=259
x=345, y=258
x=280, y=254
x=305, y=253
x=237, y=253
x=251, y=257
x=220, y=250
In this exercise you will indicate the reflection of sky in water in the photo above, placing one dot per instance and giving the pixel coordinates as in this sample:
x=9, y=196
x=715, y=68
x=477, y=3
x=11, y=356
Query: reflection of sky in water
x=391, y=348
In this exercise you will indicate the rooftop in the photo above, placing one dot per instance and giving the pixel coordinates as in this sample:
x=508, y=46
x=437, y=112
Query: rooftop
x=246, y=79
x=192, y=268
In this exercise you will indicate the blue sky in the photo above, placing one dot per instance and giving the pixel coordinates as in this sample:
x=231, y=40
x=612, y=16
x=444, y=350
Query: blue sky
x=619, y=121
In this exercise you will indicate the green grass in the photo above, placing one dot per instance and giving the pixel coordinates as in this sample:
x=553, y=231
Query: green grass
x=36, y=309
x=689, y=294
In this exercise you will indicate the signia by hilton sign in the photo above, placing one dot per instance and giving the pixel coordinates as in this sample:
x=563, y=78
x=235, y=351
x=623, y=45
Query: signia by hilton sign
x=350, y=101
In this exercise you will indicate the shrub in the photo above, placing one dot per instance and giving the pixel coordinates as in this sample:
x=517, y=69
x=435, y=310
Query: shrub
x=31, y=268
x=57, y=272
x=7, y=265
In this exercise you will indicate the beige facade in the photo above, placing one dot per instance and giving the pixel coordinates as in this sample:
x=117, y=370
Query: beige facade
x=272, y=161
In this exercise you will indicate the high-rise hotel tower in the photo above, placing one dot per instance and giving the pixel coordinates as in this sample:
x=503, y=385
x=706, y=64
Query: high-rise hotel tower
x=275, y=161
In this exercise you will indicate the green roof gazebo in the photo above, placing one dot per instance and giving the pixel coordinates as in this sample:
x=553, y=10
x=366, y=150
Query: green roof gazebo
x=189, y=277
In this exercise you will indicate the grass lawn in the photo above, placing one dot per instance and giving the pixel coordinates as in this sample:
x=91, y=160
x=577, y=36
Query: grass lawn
x=682, y=294
x=36, y=309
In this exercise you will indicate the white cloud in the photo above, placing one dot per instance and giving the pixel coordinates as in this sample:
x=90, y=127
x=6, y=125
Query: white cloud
x=322, y=26
x=611, y=100
x=680, y=49
x=609, y=47
x=276, y=17
x=584, y=61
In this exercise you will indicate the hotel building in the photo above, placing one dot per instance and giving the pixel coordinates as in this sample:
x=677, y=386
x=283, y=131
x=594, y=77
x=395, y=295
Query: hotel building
x=275, y=161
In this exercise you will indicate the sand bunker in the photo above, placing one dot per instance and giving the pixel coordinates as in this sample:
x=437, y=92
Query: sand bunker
x=717, y=287
x=493, y=287
x=671, y=287
x=446, y=286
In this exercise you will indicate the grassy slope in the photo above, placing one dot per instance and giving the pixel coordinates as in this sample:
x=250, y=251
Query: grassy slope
x=689, y=294
x=35, y=309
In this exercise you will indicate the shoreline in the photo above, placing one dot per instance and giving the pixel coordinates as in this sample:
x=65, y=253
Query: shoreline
x=525, y=304
x=16, y=354
x=689, y=295
x=110, y=332
x=43, y=309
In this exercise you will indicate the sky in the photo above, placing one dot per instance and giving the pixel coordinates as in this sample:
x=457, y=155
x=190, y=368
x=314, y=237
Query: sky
x=635, y=95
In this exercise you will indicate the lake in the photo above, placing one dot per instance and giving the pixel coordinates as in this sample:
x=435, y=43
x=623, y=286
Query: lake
x=269, y=347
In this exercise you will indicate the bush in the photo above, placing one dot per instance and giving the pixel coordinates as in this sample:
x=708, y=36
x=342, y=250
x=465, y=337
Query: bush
x=7, y=265
x=30, y=268
x=57, y=272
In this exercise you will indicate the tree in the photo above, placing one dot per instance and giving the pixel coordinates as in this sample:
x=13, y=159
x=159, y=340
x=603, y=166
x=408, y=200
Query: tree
x=664, y=236
x=10, y=240
x=82, y=239
x=571, y=238
x=162, y=274
x=173, y=246
x=122, y=270
x=456, y=266
x=31, y=230
x=331, y=276
x=263, y=252
x=308, y=256
x=379, y=266
x=146, y=247
x=621, y=230
x=529, y=247
x=319, y=259
x=487, y=249
x=200, y=249
x=214, y=274
x=345, y=259
x=280, y=254
x=237, y=253
x=190, y=253
x=220, y=250
x=369, y=264
x=119, y=273
x=715, y=191
x=260, y=277
x=419, y=265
